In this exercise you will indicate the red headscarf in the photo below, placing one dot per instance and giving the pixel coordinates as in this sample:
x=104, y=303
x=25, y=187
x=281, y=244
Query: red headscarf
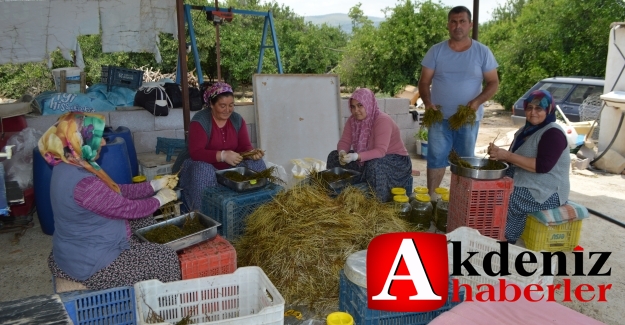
x=361, y=130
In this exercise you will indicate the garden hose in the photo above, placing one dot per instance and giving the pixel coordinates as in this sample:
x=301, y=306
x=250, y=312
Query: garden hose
x=604, y=217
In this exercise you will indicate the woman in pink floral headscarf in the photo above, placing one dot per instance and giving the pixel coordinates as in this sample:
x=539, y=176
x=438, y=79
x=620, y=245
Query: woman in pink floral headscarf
x=372, y=144
x=217, y=137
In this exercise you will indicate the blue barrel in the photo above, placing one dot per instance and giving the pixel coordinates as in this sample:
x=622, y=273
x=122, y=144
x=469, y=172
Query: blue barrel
x=114, y=160
x=124, y=132
x=42, y=173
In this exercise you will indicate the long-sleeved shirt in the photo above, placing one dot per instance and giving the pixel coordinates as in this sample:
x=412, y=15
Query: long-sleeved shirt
x=385, y=139
x=550, y=147
x=94, y=195
x=201, y=148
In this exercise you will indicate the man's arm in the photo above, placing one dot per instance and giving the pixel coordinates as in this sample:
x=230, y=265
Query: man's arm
x=424, y=87
x=492, y=84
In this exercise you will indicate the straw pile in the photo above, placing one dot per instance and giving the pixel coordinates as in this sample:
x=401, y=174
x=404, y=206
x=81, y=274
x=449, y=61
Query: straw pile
x=302, y=238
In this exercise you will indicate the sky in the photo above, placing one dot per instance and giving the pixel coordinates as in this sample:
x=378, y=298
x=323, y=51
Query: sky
x=374, y=7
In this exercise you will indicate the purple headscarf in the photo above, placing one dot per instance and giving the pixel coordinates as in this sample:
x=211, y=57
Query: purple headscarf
x=361, y=130
x=215, y=89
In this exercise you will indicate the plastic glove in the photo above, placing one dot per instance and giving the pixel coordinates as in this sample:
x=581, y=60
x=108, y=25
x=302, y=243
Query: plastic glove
x=169, y=181
x=342, y=154
x=231, y=158
x=165, y=196
x=349, y=157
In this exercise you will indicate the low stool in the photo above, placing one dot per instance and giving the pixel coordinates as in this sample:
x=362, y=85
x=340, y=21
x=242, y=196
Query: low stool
x=556, y=229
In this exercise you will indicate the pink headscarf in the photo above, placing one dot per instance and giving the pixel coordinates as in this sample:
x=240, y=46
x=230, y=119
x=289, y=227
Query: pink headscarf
x=361, y=130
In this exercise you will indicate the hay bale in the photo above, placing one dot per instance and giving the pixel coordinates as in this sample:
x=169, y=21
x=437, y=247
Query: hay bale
x=302, y=238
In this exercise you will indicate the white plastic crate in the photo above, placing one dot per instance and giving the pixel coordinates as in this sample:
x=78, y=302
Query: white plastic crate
x=151, y=165
x=473, y=241
x=245, y=297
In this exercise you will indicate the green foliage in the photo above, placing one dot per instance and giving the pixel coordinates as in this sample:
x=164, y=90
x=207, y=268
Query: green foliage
x=389, y=57
x=537, y=39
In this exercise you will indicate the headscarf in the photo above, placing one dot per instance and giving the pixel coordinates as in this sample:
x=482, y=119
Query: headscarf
x=75, y=139
x=361, y=130
x=215, y=89
x=540, y=98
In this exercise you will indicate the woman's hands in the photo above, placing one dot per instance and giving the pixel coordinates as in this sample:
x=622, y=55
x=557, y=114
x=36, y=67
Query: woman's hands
x=165, y=196
x=497, y=153
x=230, y=157
x=348, y=157
x=169, y=181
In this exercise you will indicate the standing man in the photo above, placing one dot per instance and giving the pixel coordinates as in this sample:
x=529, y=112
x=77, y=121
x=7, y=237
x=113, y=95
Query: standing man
x=455, y=69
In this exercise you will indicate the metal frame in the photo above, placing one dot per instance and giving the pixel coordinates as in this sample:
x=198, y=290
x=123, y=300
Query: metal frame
x=268, y=23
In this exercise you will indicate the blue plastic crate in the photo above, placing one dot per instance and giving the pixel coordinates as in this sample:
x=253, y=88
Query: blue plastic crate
x=114, y=306
x=121, y=77
x=353, y=300
x=170, y=146
x=230, y=208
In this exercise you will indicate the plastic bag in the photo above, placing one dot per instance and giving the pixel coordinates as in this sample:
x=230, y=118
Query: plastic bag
x=303, y=167
x=20, y=167
x=280, y=172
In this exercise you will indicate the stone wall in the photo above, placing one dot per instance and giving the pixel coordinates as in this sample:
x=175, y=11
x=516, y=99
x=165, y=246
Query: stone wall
x=146, y=127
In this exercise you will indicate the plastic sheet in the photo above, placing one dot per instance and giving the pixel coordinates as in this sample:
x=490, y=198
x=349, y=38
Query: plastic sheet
x=20, y=167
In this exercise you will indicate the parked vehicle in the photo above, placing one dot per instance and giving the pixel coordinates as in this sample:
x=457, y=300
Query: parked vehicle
x=567, y=92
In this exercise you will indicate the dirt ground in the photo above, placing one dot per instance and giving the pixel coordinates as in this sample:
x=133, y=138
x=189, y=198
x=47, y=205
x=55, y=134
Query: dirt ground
x=24, y=273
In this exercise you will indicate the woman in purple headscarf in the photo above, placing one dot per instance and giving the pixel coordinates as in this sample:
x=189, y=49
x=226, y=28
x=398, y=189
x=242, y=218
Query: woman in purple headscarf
x=539, y=163
x=372, y=144
x=217, y=137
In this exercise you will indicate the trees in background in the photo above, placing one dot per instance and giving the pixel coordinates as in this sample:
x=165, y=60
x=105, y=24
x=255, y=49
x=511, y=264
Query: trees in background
x=531, y=39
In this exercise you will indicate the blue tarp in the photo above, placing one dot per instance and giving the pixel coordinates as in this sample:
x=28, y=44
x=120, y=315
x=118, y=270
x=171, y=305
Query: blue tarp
x=97, y=99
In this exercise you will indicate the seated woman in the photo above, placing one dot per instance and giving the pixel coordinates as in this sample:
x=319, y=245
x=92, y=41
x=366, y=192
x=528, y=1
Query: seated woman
x=94, y=216
x=539, y=163
x=217, y=136
x=378, y=150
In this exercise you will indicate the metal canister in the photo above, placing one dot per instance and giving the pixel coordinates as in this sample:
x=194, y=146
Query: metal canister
x=421, y=215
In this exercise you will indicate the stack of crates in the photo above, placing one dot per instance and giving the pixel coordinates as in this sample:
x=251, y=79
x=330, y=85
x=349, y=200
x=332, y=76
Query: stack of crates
x=110, y=306
x=121, y=77
x=152, y=165
x=212, y=257
x=479, y=204
x=353, y=300
x=230, y=208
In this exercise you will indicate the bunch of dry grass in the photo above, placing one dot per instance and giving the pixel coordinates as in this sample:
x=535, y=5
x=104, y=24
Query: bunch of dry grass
x=302, y=238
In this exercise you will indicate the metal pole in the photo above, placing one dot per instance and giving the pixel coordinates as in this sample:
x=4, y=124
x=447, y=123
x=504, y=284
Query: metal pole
x=217, y=44
x=182, y=63
x=476, y=18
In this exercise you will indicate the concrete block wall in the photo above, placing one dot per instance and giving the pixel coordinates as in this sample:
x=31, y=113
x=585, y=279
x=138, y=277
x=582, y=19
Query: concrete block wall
x=146, y=127
x=397, y=109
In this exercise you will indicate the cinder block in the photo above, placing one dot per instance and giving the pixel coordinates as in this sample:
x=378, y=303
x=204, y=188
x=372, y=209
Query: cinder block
x=408, y=137
x=146, y=141
x=41, y=123
x=381, y=104
x=248, y=112
x=344, y=109
x=136, y=121
x=404, y=121
x=396, y=105
x=173, y=120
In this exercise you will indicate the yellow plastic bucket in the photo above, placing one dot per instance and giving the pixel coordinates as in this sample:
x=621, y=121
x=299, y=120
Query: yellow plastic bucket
x=340, y=318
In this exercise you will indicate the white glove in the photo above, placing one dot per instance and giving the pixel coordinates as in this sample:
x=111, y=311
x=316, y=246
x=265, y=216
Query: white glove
x=165, y=196
x=347, y=158
x=342, y=154
x=169, y=181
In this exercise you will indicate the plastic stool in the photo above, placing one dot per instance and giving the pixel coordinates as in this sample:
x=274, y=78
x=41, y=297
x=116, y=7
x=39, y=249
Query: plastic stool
x=169, y=146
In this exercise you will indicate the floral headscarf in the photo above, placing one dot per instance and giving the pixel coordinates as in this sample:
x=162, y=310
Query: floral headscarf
x=540, y=98
x=75, y=139
x=215, y=89
x=361, y=130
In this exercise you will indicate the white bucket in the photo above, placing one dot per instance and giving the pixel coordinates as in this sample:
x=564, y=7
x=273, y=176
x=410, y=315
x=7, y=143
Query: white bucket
x=71, y=73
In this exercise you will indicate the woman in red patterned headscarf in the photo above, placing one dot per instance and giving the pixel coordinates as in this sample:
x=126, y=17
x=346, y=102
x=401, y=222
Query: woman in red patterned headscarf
x=372, y=144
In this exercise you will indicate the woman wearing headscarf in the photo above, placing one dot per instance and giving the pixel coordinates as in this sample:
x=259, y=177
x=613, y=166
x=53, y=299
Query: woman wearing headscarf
x=94, y=217
x=371, y=143
x=217, y=137
x=539, y=163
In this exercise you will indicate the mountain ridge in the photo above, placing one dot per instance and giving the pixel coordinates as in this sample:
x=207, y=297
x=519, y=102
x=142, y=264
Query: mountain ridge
x=339, y=20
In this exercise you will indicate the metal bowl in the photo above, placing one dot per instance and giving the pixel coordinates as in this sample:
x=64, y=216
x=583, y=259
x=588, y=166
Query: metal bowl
x=477, y=173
